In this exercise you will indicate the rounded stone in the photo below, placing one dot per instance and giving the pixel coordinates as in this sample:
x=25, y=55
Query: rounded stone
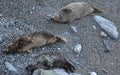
x=78, y=48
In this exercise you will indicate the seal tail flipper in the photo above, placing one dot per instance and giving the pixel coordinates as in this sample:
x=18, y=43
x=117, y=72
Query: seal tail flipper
x=30, y=69
x=61, y=39
x=69, y=67
x=97, y=10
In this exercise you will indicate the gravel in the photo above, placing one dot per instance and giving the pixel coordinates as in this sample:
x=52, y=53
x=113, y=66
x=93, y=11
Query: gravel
x=16, y=19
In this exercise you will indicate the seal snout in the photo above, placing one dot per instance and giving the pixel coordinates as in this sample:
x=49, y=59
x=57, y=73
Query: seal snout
x=52, y=17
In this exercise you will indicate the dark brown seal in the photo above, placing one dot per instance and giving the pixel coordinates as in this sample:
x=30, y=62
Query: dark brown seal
x=29, y=40
x=50, y=60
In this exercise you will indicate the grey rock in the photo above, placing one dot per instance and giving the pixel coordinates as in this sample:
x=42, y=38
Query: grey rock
x=93, y=73
x=78, y=48
x=75, y=74
x=108, y=26
x=37, y=72
x=107, y=46
x=74, y=29
x=52, y=72
x=60, y=72
x=10, y=67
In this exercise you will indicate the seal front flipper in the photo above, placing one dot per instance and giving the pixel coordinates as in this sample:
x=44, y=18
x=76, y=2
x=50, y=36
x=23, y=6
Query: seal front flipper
x=97, y=9
x=29, y=51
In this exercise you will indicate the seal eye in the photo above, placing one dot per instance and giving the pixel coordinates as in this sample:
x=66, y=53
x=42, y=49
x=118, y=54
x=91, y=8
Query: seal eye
x=67, y=10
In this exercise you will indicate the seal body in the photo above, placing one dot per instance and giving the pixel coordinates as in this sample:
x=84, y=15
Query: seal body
x=74, y=11
x=38, y=38
x=50, y=60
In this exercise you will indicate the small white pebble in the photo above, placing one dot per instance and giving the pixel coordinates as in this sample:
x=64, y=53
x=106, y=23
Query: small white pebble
x=43, y=48
x=74, y=29
x=103, y=34
x=93, y=73
x=78, y=48
x=94, y=27
x=33, y=8
x=31, y=12
x=58, y=48
x=11, y=2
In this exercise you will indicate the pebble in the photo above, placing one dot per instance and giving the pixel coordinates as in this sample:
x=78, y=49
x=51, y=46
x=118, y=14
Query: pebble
x=31, y=12
x=10, y=67
x=103, y=34
x=104, y=70
x=78, y=48
x=58, y=48
x=108, y=26
x=75, y=74
x=49, y=15
x=11, y=2
x=107, y=46
x=74, y=29
x=94, y=27
x=33, y=8
x=43, y=48
x=32, y=55
x=65, y=34
x=0, y=38
x=1, y=15
x=93, y=73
